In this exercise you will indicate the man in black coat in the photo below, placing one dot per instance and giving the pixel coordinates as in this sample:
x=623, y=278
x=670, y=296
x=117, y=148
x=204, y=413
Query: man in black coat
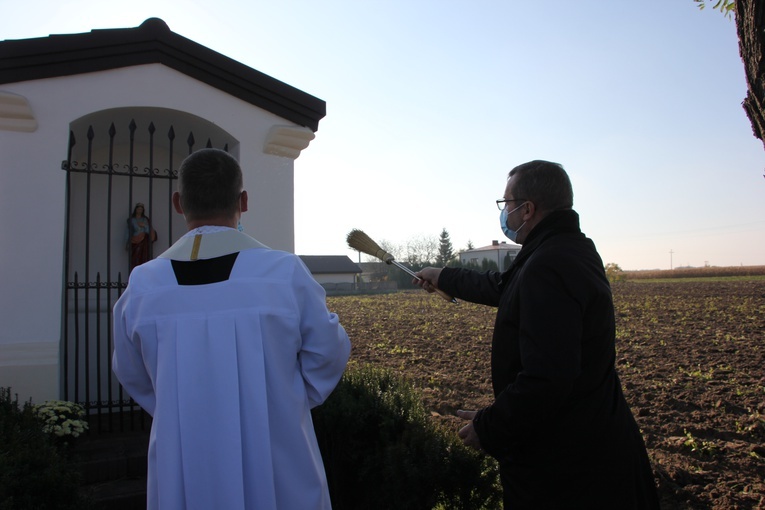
x=559, y=425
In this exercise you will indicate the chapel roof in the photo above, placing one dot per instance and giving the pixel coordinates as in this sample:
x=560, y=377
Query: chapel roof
x=153, y=42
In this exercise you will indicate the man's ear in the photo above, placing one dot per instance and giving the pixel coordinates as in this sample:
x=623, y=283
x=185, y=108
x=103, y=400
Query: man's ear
x=530, y=210
x=177, y=202
x=243, y=201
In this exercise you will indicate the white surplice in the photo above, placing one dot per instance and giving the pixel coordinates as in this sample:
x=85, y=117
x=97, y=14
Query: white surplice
x=229, y=371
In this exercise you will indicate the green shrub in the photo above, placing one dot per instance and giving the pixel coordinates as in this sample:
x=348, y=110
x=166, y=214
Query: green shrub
x=34, y=473
x=381, y=450
x=614, y=273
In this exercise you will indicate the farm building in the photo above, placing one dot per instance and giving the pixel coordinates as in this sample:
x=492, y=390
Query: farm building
x=328, y=269
x=501, y=253
x=90, y=125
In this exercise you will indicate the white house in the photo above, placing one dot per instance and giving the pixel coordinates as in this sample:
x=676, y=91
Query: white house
x=501, y=253
x=91, y=124
x=331, y=269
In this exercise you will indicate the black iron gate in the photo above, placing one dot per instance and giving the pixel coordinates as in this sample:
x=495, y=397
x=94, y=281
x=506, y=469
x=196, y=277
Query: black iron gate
x=108, y=171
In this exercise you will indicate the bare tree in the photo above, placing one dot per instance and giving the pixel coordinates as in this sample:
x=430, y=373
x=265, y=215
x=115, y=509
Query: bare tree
x=421, y=251
x=750, y=27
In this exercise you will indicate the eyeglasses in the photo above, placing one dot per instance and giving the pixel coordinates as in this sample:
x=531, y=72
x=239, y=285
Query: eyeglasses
x=502, y=202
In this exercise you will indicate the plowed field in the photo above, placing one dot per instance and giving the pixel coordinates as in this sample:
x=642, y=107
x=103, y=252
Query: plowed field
x=691, y=356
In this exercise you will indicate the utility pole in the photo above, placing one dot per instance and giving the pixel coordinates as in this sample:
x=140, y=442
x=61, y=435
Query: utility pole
x=670, y=259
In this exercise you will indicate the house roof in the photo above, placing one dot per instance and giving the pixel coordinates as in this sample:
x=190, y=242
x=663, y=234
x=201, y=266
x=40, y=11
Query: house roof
x=498, y=246
x=326, y=264
x=153, y=42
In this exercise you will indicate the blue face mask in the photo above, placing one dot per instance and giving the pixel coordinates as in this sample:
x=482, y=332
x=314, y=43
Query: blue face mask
x=510, y=233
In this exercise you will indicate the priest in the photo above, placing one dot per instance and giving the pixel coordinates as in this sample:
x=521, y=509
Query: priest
x=228, y=345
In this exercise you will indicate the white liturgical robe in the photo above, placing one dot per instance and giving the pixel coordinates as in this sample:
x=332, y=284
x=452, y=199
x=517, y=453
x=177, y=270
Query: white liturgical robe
x=228, y=345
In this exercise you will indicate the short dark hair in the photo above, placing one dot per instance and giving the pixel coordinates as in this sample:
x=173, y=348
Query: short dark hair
x=544, y=183
x=210, y=183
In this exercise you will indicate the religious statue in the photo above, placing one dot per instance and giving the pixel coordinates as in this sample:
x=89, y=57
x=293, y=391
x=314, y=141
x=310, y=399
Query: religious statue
x=140, y=236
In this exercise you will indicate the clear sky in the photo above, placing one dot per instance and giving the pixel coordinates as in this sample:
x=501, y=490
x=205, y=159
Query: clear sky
x=431, y=102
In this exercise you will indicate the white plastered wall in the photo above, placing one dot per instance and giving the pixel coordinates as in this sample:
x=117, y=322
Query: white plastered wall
x=335, y=278
x=32, y=196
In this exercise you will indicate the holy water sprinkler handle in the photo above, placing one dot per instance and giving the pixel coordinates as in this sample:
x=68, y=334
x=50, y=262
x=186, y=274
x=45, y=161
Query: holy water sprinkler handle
x=412, y=273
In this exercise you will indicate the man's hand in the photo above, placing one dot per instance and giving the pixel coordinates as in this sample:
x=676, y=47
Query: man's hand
x=428, y=278
x=467, y=433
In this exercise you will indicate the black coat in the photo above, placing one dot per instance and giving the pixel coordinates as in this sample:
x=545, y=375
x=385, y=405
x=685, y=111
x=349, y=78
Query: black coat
x=559, y=426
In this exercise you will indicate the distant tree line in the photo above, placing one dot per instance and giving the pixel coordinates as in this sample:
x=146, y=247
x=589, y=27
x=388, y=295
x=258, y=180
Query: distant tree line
x=424, y=251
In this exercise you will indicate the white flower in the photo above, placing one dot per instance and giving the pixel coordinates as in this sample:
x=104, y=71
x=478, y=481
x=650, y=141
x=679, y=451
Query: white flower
x=62, y=418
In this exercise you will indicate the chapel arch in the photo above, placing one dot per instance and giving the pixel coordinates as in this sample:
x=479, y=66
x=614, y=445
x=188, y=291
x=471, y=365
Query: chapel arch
x=116, y=158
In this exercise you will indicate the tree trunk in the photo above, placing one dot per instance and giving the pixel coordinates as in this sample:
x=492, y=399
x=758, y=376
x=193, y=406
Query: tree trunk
x=750, y=24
